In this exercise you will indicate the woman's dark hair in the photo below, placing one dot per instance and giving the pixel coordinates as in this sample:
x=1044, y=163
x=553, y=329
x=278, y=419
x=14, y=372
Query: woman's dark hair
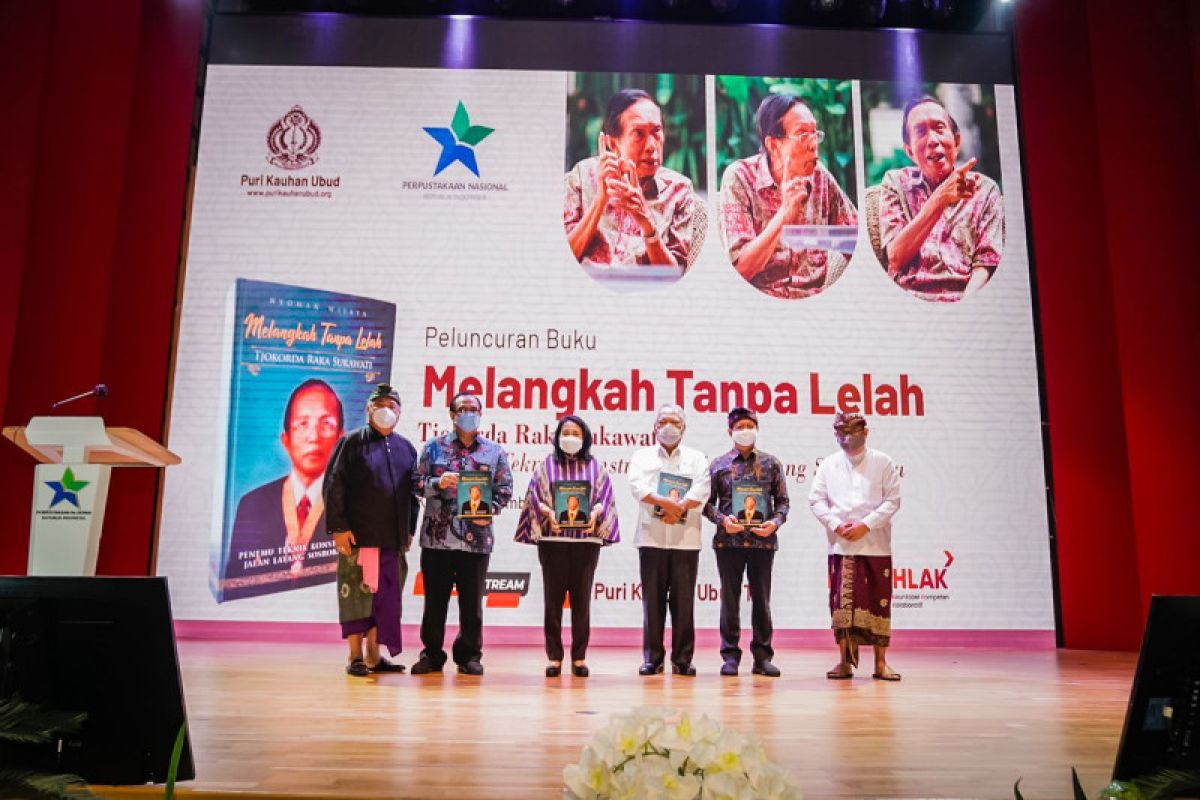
x=617, y=105
x=585, y=452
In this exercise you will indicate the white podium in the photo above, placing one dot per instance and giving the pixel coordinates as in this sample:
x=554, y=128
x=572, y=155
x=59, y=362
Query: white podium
x=75, y=457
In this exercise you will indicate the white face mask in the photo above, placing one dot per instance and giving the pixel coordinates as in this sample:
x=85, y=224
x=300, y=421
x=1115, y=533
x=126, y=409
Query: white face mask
x=384, y=417
x=669, y=435
x=570, y=444
x=745, y=437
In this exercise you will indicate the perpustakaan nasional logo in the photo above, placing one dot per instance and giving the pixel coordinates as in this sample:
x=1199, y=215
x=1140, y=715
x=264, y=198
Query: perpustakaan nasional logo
x=459, y=141
x=66, y=489
x=292, y=143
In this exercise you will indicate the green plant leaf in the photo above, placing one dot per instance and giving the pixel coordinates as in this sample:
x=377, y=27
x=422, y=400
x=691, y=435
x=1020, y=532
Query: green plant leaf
x=1167, y=784
x=461, y=123
x=475, y=134
x=837, y=109
x=26, y=723
x=42, y=786
x=176, y=755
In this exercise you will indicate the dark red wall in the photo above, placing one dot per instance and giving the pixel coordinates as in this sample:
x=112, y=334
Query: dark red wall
x=92, y=180
x=97, y=132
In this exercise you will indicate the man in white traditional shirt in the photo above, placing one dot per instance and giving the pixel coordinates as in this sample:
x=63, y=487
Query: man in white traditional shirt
x=855, y=494
x=668, y=542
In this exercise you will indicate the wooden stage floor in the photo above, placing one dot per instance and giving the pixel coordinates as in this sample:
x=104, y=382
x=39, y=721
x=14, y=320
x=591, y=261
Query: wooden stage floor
x=275, y=720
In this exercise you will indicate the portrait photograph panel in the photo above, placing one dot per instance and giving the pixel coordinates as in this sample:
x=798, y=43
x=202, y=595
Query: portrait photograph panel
x=633, y=211
x=934, y=204
x=787, y=207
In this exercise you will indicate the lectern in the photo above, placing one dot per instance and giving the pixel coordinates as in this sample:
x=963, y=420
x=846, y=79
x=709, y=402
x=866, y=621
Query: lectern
x=75, y=457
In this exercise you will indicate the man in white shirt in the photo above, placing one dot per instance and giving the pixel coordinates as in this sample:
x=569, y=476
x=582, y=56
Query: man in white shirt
x=668, y=542
x=855, y=493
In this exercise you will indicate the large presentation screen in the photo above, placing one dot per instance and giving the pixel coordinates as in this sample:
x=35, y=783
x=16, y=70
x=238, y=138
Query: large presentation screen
x=600, y=218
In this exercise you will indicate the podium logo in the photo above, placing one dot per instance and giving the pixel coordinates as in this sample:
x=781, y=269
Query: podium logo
x=293, y=140
x=459, y=141
x=66, y=489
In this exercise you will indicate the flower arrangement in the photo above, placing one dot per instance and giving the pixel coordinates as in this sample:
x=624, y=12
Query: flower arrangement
x=665, y=754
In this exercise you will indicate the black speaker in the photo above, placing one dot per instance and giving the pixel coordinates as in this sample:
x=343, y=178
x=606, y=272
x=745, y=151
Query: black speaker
x=1162, y=723
x=105, y=647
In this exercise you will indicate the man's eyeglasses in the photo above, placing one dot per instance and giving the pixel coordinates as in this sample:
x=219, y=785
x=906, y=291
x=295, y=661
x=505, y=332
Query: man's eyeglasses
x=804, y=136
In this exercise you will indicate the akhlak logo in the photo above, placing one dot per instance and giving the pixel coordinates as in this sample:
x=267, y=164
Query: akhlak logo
x=67, y=488
x=459, y=141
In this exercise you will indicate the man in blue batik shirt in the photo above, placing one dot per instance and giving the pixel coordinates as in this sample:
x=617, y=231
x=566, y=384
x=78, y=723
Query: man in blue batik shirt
x=455, y=551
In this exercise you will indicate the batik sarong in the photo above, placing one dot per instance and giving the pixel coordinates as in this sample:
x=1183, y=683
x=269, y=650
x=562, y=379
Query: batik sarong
x=860, y=598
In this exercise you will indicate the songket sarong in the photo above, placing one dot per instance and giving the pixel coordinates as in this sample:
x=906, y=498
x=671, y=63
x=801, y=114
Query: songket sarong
x=360, y=609
x=860, y=598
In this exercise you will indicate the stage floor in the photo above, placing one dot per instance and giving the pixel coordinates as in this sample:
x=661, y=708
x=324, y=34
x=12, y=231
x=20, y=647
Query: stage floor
x=284, y=720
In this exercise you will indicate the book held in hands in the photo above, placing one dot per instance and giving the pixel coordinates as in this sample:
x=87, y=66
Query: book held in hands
x=572, y=503
x=475, y=494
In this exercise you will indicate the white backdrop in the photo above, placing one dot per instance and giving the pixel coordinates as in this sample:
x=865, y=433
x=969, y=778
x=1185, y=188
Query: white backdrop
x=495, y=259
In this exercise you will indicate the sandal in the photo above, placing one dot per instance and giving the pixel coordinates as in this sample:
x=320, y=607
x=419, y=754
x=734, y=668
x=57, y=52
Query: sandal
x=383, y=665
x=886, y=676
x=358, y=668
x=839, y=674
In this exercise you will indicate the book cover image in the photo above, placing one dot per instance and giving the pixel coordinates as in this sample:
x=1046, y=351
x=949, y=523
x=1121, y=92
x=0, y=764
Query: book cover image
x=475, y=494
x=751, y=503
x=572, y=503
x=303, y=364
x=672, y=486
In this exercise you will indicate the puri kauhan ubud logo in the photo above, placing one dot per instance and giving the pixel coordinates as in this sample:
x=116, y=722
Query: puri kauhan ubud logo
x=459, y=141
x=66, y=489
x=293, y=140
x=292, y=143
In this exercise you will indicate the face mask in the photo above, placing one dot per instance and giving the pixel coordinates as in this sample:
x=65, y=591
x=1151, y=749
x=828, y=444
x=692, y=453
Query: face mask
x=669, y=435
x=384, y=417
x=570, y=444
x=745, y=437
x=853, y=442
x=468, y=421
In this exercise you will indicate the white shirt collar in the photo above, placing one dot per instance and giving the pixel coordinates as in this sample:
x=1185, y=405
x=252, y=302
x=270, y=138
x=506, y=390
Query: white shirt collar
x=313, y=491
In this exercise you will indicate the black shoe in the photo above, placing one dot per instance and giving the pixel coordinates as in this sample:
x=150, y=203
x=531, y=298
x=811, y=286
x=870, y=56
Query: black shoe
x=424, y=666
x=470, y=668
x=765, y=668
x=687, y=670
x=650, y=669
x=553, y=671
x=580, y=670
x=358, y=668
x=383, y=665
x=729, y=668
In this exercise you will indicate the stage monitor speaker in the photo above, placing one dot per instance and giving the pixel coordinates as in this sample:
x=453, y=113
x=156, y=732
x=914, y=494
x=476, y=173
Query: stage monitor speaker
x=1162, y=723
x=106, y=647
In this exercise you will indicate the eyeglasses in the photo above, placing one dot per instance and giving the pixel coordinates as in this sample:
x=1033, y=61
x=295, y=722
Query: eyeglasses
x=818, y=136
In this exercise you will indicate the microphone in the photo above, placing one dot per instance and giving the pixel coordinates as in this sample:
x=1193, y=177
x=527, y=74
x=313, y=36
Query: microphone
x=99, y=390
